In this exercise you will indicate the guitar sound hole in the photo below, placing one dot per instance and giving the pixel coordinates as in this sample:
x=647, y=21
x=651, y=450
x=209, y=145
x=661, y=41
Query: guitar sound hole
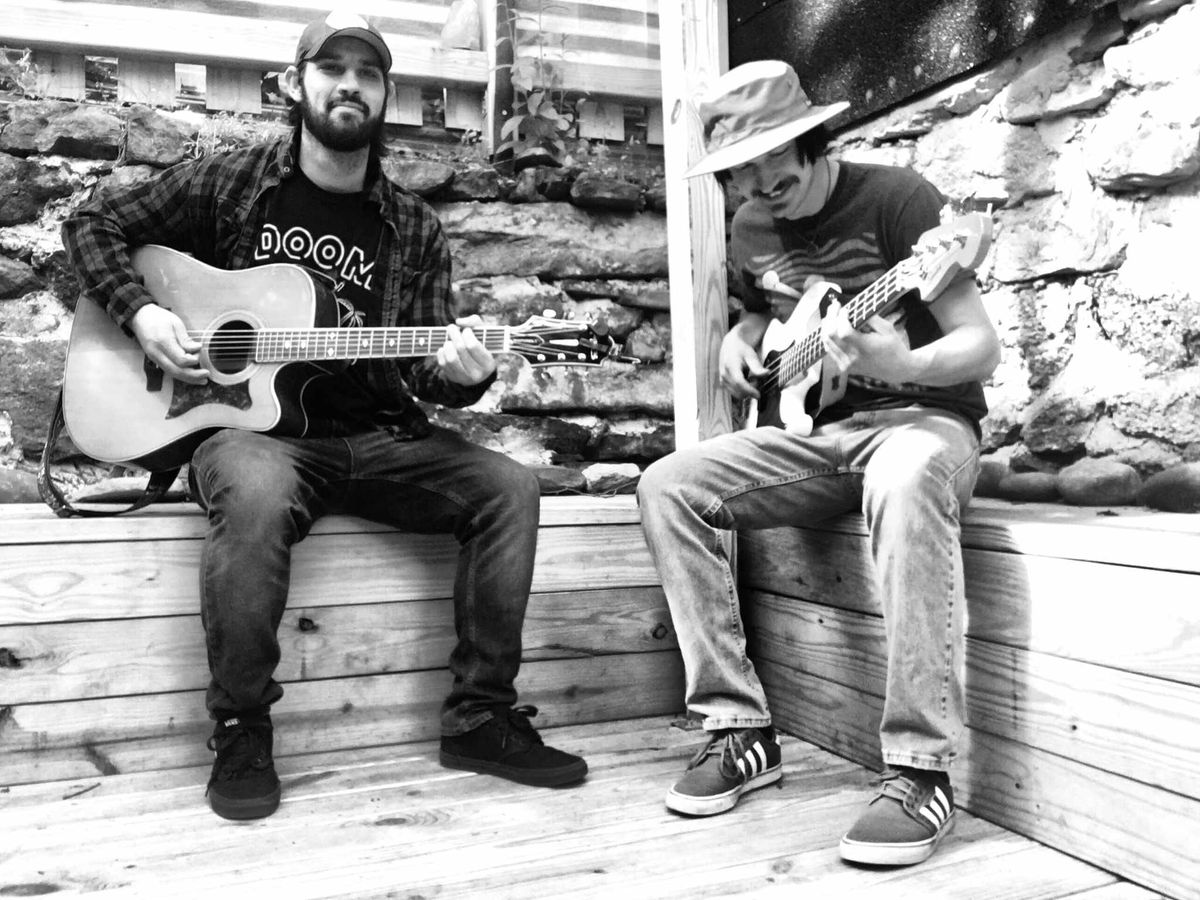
x=231, y=348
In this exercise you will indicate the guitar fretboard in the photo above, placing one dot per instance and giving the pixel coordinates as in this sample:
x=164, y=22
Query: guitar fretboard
x=294, y=345
x=809, y=350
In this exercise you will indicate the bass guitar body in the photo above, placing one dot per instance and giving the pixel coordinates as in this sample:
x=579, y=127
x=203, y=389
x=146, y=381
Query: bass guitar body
x=793, y=403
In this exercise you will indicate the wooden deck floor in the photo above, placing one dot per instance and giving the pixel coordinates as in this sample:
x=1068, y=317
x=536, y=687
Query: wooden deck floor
x=389, y=822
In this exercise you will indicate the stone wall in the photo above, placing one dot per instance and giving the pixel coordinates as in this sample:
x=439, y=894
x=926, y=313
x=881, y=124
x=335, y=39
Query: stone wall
x=1086, y=145
x=584, y=241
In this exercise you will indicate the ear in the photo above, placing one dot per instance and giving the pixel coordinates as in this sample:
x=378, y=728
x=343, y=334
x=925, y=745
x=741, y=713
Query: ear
x=291, y=83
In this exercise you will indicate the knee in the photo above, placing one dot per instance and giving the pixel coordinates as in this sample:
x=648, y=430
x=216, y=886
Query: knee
x=658, y=480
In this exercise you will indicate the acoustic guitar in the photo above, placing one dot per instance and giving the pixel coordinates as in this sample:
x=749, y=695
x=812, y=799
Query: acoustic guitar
x=796, y=386
x=251, y=323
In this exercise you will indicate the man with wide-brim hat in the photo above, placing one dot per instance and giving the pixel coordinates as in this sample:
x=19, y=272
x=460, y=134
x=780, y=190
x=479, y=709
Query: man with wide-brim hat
x=887, y=424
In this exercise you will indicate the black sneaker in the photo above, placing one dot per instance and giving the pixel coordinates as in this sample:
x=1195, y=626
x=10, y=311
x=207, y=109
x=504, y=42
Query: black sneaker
x=904, y=822
x=509, y=746
x=243, y=783
x=733, y=762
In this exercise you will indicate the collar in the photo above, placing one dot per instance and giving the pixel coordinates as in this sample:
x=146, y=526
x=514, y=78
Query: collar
x=378, y=188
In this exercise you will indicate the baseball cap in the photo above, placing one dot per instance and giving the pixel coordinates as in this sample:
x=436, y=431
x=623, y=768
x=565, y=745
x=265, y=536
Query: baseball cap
x=338, y=24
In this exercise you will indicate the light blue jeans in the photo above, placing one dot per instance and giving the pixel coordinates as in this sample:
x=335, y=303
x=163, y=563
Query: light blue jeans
x=911, y=472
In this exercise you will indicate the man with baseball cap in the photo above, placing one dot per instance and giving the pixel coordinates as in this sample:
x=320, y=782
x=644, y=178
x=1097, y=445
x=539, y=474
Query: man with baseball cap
x=890, y=427
x=350, y=438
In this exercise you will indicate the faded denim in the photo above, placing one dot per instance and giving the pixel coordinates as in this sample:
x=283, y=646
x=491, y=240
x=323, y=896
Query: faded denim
x=263, y=494
x=911, y=473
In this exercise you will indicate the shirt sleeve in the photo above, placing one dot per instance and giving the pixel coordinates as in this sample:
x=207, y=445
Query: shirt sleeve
x=100, y=236
x=433, y=304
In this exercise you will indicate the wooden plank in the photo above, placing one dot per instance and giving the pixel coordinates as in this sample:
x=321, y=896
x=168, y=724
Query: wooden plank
x=464, y=109
x=79, y=739
x=693, y=55
x=1141, y=832
x=405, y=106
x=343, y=824
x=83, y=659
x=60, y=76
x=601, y=120
x=1066, y=607
x=237, y=41
x=233, y=90
x=146, y=81
x=33, y=523
x=48, y=583
x=1142, y=728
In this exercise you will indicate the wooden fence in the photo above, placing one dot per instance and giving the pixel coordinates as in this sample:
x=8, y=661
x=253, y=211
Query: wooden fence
x=604, y=53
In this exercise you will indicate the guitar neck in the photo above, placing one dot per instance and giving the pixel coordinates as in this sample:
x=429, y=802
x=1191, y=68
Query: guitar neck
x=280, y=345
x=809, y=351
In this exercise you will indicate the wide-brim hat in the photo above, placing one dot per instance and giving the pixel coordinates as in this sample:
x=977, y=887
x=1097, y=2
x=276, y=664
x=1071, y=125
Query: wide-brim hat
x=751, y=110
x=342, y=24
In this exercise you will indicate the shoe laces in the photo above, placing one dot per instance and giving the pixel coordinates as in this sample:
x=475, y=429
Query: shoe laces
x=241, y=747
x=514, y=725
x=902, y=785
x=731, y=745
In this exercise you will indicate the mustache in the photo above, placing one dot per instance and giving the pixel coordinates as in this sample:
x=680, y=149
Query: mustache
x=780, y=185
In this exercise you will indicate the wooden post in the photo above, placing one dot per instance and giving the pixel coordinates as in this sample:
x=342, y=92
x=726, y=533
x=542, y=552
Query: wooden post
x=500, y=53
x=693, y=40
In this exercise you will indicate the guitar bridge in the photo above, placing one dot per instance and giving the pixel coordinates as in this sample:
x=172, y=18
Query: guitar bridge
x=154, y=376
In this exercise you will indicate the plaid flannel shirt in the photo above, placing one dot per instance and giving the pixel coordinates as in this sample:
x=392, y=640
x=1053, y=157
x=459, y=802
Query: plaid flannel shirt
x=214, y=208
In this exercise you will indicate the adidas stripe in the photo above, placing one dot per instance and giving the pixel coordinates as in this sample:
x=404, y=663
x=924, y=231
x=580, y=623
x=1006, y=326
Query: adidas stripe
x=753, y=761
x=937, y=809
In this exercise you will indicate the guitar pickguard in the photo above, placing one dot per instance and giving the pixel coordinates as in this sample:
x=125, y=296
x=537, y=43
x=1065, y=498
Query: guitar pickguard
x=185, y=397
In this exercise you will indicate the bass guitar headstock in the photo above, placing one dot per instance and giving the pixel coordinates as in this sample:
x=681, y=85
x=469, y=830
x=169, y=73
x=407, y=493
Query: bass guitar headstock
x=944, y=254
x=548, y=341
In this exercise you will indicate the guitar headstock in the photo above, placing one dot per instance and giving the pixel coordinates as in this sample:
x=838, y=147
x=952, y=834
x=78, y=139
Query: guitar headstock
x=944, y=253
x=546, y=341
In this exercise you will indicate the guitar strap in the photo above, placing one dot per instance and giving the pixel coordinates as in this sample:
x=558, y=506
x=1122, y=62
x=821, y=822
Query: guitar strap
x=53, y=496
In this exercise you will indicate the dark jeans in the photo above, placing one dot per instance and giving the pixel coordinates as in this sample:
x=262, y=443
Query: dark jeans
x=263, y=494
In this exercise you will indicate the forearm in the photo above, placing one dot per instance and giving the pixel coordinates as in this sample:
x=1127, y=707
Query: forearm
x=969, y=353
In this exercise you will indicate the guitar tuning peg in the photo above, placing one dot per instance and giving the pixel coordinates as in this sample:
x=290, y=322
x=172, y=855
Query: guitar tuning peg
x=550, y=313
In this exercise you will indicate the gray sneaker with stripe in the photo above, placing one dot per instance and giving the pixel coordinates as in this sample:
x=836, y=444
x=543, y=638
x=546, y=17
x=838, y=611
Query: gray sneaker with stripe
x=904, y=822
x=733, y=762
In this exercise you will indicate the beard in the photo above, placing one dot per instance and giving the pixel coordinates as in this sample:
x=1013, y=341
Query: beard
x=341, y=135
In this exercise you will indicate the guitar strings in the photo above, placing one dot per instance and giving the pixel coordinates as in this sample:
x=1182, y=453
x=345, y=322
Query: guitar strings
x=790, y=363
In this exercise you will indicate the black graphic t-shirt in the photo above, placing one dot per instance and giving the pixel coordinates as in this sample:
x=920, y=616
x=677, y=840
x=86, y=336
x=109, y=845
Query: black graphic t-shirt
x=338, y=236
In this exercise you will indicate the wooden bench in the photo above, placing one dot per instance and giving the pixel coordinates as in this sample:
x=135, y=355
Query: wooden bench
x=1083, y=671
x=102, y=722
x=102, y=665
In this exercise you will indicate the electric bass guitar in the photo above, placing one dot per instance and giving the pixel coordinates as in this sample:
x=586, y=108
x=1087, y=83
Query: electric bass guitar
x=796, y=386
x=119, y=407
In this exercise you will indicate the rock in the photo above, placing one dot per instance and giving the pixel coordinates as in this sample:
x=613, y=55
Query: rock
x=1147, y=140
x=651, y=342
x=1099, y=482
x=477, y=183
x=532, y=440
x=16, y=278
x=1028, y=487
x=18, y=486
x=558, y=479
x=611, y=388
x=26, y=122
x=28, y=187
x=600, y=192
x=644, y=439
x=154, y=138
x=991, y=471
x=1173, y=490
x=553, y=240
x=611, y=478
x=423, y=177
x=85, y=131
